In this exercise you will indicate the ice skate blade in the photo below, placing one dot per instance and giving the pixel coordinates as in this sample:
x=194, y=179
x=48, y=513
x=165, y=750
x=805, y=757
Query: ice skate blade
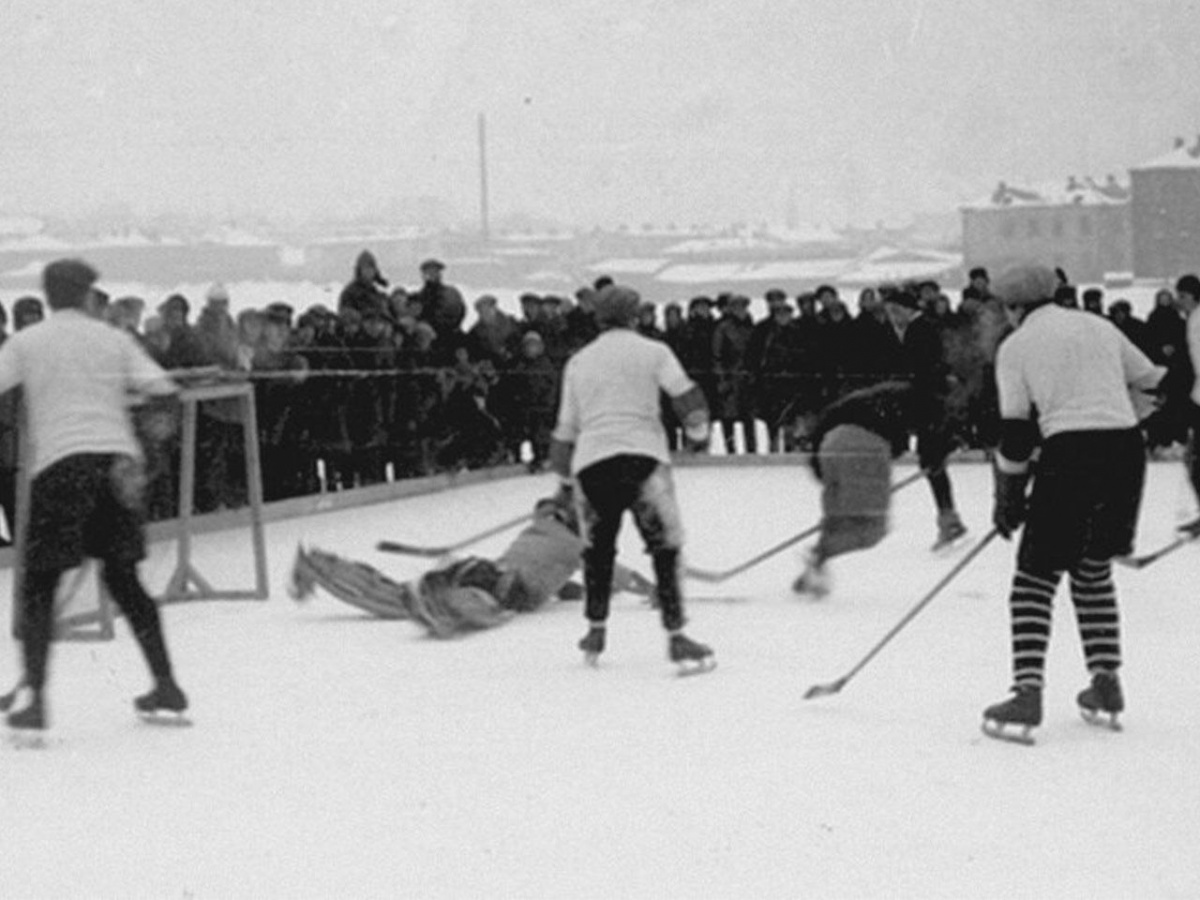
x=947, y=548
x=165, y=719
x=591, y=660
x=1098, y=719
x=686, y=669
x=996, y=730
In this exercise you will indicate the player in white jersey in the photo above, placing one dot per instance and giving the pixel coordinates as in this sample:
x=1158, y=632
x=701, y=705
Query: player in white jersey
x=1071, y=382
x=609, y=439
x=79, y=377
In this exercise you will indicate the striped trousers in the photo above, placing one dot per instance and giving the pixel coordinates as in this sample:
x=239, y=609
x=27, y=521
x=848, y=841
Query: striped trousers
x=1095, y=600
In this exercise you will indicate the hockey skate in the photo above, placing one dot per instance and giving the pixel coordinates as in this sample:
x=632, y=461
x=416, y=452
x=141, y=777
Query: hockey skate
x=950, y=529
x=592, y=645
x=693, y=658
x=814, y=582
x=1101, y=703
x=165, y=705
x=1023, y=709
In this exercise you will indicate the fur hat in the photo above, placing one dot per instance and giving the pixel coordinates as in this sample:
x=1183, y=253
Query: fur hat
x=1026, y=285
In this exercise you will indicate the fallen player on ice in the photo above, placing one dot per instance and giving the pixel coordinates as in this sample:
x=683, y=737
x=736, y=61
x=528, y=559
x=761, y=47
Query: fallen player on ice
x=468, y=594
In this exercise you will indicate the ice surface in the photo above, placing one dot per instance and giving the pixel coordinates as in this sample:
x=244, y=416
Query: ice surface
x=335, y=755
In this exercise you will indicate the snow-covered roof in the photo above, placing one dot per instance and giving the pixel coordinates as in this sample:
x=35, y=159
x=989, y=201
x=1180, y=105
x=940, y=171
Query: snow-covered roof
x=1181, y=157
x=1071, y=192
x=628, y=266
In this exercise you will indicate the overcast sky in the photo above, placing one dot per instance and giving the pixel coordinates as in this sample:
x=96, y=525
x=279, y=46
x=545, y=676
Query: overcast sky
x=598, y=111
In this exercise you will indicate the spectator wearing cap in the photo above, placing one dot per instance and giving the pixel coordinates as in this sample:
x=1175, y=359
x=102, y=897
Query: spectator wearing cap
x=278, y=373
x=221, y=483
x=696, y=352
x=364, y=290
x=28, y=310
x=1168, y=331
x=1093, y=301
x=978, y=285
x=370, y=398
x=771, y=357
x=442, y=305
x=494, y=335
x=581, y=320
x=735, y=388
x=536, y=402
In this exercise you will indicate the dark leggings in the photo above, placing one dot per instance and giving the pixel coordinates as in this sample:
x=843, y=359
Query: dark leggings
x=610, y=488
x=123, y=584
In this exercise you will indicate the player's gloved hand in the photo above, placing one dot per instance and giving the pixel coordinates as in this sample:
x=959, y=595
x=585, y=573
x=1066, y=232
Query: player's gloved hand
x=566, y=494
x=1008, y=510
x=696, y=437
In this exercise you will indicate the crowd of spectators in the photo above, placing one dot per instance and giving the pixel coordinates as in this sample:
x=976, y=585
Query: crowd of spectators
x=390, y=385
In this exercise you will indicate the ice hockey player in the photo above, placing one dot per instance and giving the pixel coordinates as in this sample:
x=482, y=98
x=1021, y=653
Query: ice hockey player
x=609, y=440
x=78, y=376
x=469, y=594
x=854, y=442
x=1083, y=380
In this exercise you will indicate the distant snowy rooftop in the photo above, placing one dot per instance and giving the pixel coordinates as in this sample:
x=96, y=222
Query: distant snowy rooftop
x=1181, y=157
x=1071, y=191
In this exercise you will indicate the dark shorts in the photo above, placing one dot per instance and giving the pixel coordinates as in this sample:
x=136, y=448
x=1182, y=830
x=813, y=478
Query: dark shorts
x=81, y=506
x=1087, y=489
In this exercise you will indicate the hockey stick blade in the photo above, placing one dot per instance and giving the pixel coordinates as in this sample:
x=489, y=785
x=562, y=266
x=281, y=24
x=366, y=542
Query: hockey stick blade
x=824, y=690
x=418, y=550
x=710, y=576
x=833, y=687
x=413, y=549
x=1140, y=562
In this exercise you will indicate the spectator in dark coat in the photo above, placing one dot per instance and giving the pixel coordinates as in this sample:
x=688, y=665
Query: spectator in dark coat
x=735, y=387
x=494, y=335
x=364, y=292
x=442, y=305
x=696, y=353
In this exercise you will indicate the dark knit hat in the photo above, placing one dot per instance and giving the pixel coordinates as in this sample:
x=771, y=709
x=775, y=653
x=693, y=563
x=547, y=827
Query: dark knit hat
x=900, y=295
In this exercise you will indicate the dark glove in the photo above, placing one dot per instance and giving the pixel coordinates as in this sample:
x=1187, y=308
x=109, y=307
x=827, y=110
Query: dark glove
x=1008, y=511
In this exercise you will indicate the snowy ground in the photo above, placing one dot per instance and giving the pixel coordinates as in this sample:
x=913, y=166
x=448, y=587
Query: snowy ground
x=334, y=755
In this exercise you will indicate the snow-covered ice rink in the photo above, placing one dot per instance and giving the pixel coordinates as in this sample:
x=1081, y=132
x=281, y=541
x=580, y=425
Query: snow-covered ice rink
x=336, y=755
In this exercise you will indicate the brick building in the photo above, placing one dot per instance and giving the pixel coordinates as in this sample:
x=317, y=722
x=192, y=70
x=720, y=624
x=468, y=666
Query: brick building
x=1079, y=225
x=1165, y=213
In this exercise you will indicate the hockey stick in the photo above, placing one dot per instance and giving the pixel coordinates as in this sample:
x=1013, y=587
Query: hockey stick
x=710, y=576
x=417, y=550
x=824, y=690
x=1140, y=562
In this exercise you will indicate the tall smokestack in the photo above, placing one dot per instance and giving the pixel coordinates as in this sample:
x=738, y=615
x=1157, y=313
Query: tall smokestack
x=483, y=178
